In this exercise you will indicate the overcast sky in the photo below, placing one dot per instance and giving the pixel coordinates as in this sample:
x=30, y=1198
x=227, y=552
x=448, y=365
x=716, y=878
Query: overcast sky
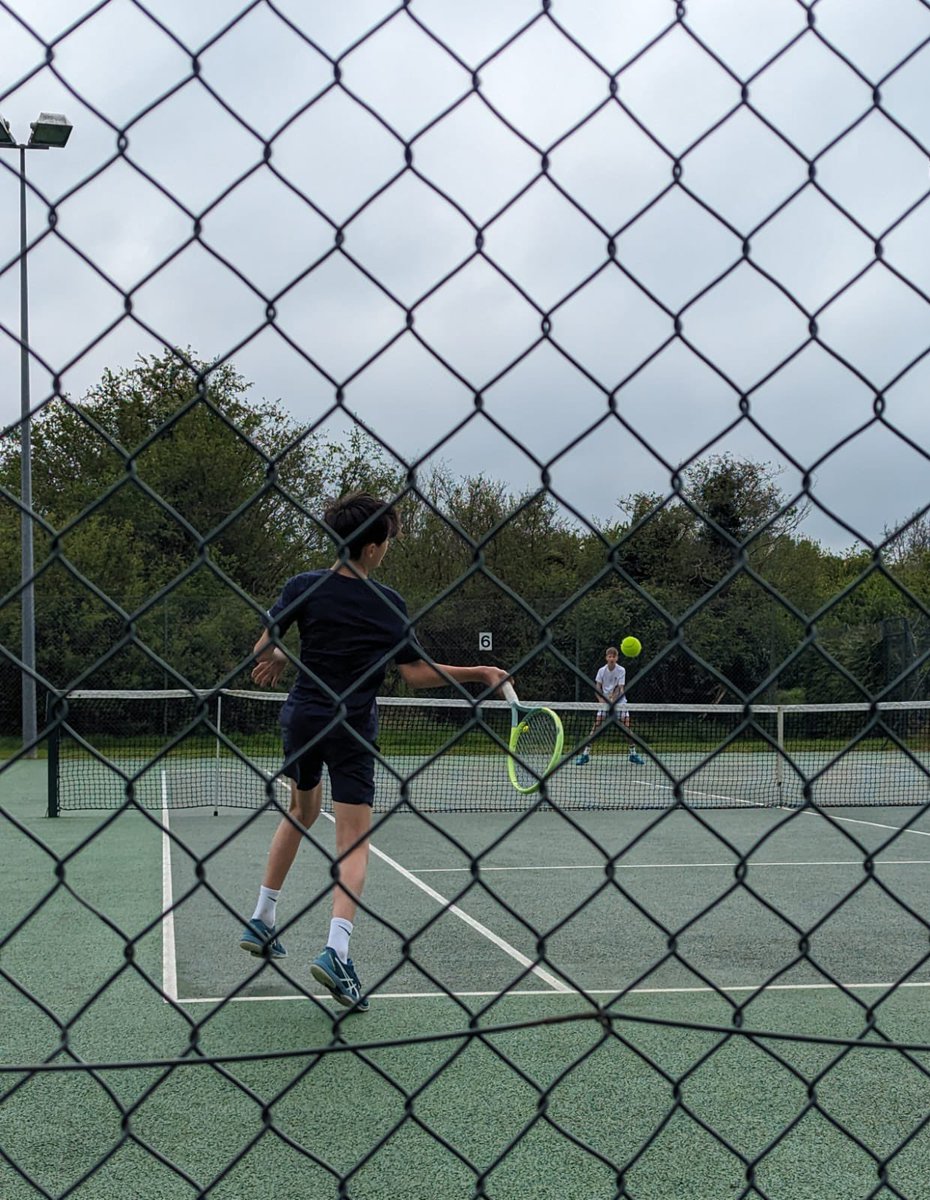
x=742, y=95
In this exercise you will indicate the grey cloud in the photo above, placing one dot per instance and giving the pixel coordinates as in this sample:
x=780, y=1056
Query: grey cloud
x=338, y=156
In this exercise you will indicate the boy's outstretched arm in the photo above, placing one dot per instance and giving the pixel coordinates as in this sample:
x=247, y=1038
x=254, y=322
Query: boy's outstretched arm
x=421, y=674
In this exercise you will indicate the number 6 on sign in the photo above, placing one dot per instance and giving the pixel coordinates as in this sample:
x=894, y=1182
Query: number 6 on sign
x=536, y=740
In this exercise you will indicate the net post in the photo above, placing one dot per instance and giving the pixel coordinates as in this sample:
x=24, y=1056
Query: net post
x=216, y=754
x=780, y=737
x=54, y=740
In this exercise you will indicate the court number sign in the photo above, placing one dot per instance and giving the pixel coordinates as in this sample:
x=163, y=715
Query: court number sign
x=486, y=641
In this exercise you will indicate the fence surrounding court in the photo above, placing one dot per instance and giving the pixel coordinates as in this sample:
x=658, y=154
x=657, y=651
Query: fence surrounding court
x=64, y=1055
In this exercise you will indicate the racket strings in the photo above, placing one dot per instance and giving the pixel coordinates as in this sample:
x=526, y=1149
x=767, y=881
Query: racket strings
x=536, y=748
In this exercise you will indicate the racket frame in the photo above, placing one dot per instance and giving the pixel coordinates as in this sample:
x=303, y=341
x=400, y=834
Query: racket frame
x=519, y=713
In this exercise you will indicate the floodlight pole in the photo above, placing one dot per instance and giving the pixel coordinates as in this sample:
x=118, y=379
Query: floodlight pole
x=28, y=597
x=51, y=129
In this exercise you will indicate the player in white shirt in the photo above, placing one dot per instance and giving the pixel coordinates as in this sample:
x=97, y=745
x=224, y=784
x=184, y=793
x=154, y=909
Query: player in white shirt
x=609, y=685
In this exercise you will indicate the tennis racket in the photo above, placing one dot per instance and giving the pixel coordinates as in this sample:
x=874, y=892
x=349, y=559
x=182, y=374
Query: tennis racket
x=536, y=740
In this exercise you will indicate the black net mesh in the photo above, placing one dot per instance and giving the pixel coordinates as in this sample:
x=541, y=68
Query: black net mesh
x=663, y=261
x=440, y=756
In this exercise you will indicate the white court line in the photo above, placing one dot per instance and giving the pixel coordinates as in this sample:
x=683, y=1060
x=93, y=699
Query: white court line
x=514, y=953
x=685, y=866
x=873, y=824
x=169, y=964
x=693, y=793
x=667, y=991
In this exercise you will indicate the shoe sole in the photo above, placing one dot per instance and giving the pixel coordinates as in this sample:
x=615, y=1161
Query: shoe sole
x=331, y=986
x=258, y=951
x=321, y=976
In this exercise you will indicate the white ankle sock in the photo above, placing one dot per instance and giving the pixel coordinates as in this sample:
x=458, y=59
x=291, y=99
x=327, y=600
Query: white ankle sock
x=340, y=931
x=266, y=907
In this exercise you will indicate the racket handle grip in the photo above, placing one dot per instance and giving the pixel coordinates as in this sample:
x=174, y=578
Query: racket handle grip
x=509, y=693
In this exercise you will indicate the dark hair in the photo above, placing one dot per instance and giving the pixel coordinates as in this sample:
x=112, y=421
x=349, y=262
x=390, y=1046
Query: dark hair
x=373, y=519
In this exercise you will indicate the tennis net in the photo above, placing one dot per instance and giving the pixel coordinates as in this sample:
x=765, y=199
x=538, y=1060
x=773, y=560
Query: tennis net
x=182, y=749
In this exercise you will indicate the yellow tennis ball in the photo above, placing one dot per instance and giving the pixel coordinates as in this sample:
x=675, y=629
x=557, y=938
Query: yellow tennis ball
x=524, y=728
x=631, y=646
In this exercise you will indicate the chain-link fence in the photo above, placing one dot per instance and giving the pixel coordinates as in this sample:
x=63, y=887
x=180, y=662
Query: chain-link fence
x=626, y=257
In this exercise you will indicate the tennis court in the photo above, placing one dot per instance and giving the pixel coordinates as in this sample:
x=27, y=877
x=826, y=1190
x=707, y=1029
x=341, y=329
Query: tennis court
x=606, y=911
x=527, y=964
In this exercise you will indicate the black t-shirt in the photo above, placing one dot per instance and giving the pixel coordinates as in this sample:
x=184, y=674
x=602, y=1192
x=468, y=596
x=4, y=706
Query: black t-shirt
x=350, y=630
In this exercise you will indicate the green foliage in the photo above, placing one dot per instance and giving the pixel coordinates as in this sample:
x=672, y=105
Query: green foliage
x=173, y=506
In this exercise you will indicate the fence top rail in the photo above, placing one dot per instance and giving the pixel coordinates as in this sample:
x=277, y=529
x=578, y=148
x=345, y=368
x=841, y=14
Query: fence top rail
x=587, y=706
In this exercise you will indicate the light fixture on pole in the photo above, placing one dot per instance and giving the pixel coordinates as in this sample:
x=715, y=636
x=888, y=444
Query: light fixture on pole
x=50, y=130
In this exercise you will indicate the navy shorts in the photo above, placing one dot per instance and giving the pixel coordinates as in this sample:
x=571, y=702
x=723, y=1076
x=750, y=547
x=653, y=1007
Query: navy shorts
x=309, y=745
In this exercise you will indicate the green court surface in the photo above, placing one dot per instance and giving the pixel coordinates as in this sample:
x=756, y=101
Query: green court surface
x=523, y=973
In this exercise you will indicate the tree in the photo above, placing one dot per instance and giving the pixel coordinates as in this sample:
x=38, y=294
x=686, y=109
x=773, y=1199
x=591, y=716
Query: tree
x=682, y=550
x=172, y=506
x=909, y=542
x=167, y=495
x=469, y=547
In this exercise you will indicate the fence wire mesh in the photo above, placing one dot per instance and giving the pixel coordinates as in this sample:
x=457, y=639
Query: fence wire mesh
x=705, y=176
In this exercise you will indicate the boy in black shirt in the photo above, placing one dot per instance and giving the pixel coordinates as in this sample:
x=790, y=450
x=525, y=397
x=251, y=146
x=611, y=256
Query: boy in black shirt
x=350, y=628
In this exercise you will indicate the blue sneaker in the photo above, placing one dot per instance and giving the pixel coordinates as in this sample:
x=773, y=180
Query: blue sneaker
x=339, y=978
x=259, y=940
x=635, y=758
x=362, y=1004
x=582, y=759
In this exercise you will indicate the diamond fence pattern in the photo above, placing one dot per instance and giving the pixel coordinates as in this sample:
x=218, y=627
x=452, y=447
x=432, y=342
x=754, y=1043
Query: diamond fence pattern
x=661, y=103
